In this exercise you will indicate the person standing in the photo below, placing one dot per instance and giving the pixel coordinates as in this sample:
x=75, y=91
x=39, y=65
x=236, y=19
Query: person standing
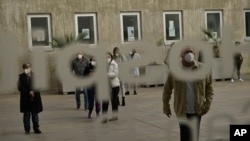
x=113, y=72
x=135, y=70
x=30, y=100
x=92, y=98
x=119, y=58
x=192, y=99
x=78, y=67
x=238, y=59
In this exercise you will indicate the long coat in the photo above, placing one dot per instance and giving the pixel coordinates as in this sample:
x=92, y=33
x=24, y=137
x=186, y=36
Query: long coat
x=27, y=103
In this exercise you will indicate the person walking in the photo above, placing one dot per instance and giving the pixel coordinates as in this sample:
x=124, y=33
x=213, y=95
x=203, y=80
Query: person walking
x=238, y=59
x=30, y=100
x=78, y=67
x=135, y=70
x=192, y=99
x=92, y=98
x=114, y=81
x=119, y=58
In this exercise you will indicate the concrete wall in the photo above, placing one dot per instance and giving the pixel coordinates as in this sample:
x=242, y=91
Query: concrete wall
x=13, y=17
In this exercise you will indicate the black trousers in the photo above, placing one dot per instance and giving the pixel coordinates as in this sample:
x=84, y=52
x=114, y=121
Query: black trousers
x=185, y=130
x=114, y=101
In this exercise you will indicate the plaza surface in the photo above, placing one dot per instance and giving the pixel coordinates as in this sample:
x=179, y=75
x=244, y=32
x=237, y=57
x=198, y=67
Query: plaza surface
x=141, y=119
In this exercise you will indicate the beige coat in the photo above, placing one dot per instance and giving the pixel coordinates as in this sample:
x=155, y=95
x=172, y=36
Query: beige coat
x=203, y=95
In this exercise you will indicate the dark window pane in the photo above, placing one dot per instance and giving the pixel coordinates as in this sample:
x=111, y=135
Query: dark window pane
x=130, y=28
x=247, y=17
x=86, y=24
x=172, y=26
x=39, y=31
x=213, y=23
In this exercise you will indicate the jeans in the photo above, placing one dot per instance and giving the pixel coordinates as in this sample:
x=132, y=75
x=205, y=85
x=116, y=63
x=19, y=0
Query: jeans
x=185, y=132
x=78, y=98
x=26, y=121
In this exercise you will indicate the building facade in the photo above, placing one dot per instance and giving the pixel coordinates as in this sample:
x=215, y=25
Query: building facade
x=116, y=22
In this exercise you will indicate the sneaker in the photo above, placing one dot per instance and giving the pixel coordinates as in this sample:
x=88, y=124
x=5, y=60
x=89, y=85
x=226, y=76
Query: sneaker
x=27, y=132
x=37, y=131
x=241, y=79
x=113, y=118
x=232, y=80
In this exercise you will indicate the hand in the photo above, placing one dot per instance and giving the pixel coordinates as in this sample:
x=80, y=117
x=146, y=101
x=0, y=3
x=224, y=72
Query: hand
x=169, y=115
x=32, y=94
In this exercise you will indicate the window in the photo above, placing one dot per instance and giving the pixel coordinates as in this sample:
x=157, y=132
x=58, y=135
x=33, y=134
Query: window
x=247, y=23
x=39, y=31
x=172, y=26
x=86, y=23
x=213, y=21
x=130, y=27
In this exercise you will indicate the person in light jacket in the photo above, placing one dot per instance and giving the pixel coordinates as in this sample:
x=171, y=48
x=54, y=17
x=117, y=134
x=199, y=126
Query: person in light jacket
x=114, y=81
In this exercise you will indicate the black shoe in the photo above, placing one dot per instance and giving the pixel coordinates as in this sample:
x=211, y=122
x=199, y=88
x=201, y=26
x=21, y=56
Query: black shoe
x=78, y=107
x=127, y=93
x=123, y=101
x=37, y=131
x=135, y=93
x=27, y=132
x=105, y=120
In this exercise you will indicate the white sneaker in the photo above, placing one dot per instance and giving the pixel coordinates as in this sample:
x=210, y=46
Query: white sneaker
x=232, y=80
x=241, y=79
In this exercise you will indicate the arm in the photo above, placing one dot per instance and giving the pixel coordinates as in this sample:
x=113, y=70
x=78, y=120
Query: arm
x=167, y=92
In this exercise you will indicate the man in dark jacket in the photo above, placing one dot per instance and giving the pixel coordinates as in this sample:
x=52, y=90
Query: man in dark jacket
x=30, y=100
x=78, y=67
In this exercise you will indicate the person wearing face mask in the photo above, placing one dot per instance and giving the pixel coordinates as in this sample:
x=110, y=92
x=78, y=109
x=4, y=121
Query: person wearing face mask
x=30, y=100
x=78, y=67
x=119, y=58
x=113, y=72
x=92, y=98
x=192, y=99
x=135, y=70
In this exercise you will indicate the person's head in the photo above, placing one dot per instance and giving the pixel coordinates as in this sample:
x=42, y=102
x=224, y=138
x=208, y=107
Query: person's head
x=109, y=57
x=92, y=61
x=187, y=55
x=27, y=68
x=79, y=55
x=133, y=51
x=116, y=51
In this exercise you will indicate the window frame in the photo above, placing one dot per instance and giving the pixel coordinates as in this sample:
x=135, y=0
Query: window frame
x=94, y=22
x=48, y=16
x=221, y=20
x=180, y=26
x=245, y=30
x=138, y=15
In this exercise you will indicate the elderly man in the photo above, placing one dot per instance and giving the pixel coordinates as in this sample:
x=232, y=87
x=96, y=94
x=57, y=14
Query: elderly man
x=192, y=99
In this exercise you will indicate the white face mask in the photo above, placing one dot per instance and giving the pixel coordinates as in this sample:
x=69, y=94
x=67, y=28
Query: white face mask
x=79, y=56
x=109, y=60
x=27, y=71
x=93, y=63
x=189, y=57
x=130, y=52
x=117, y=54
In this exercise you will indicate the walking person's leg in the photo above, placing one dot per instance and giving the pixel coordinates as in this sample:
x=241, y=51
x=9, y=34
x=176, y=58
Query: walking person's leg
x=91, y=103
x=86, y=101
x=232, y=77
x=35, y=120
x=238, y=72
x=197, y=121
x=114, y=94
x=105, y=105
x=26, y=122
x=78, y=98
x=135, y=92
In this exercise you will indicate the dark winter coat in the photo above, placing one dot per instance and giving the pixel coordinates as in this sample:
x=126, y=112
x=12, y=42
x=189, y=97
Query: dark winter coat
x=79, y=66
x=27, y=103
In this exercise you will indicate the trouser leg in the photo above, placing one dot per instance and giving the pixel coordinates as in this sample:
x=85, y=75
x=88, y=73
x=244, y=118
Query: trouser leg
x=26, y=121
x=86, y=102
x=78, y=98
x=35, y=120
x=114, y=94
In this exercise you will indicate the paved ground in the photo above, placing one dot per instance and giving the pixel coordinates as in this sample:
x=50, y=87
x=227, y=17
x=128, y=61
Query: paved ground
x=140, y=120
